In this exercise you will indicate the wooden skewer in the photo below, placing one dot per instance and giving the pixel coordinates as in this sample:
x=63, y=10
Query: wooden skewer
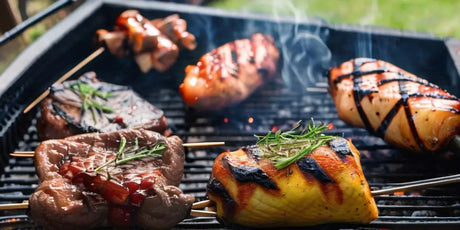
x=23, y=205
x=203, y=144
x=202, y=213
x=65, y=77
x=207, y=203
x=189, y=145
x=202, y=204
x=409, y=186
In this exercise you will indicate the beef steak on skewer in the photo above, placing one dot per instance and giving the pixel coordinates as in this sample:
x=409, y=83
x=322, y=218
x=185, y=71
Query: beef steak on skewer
x=123, y=178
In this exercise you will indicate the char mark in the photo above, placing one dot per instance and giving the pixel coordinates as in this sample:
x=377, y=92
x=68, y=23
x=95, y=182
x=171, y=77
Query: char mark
x=405, y=97
x=359, y=73
x=70, y=121
x=245, y=173
x=228, y=203
x=403, y=77
x=253, y=152
x=308, y=165
x=358, y=95
x=340, y=146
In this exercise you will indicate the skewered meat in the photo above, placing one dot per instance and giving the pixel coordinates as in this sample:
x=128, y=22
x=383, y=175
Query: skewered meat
x=175, y=29
x=154, y=44
x=325, y=186
x=88, y=105
x=230, y=73
x=389, y=102
x=86, y=184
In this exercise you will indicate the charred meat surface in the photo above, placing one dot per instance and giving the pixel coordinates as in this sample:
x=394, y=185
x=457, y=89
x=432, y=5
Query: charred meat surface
x=88, y=105
x=121, y=179
x=230, y=73
x=403, y=109
x=154, y=44
x=325, y=185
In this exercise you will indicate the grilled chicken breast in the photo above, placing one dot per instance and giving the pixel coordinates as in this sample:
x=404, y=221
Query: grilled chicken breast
x=325, y=186
x=230, y=73
x=403, y=109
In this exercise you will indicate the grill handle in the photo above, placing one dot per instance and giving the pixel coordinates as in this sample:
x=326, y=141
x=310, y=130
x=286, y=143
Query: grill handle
x=33, y=20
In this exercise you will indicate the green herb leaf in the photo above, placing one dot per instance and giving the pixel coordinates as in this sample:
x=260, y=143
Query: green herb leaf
x=285, y=148
x=88, y=95
x=126, y=155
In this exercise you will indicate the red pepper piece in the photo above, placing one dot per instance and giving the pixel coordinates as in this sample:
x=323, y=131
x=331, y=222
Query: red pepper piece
x=114, y=192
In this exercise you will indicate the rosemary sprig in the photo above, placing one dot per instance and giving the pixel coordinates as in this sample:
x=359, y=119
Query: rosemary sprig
x=285, y=148
x=87, y=94
x=126, y=155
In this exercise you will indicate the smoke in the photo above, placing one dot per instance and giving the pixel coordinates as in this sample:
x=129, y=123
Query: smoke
x=305, y=55
x=302, y=41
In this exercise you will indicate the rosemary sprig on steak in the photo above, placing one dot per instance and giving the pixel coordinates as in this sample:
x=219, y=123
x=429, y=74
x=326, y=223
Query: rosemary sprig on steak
x=88, y=96
x=126, y=155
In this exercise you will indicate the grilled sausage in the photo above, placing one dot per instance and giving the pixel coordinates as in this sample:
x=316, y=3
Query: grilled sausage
x=325, y=186
x=404, y=110
x=230, y=73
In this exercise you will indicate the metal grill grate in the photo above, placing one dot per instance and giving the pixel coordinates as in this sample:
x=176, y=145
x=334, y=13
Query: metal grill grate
x=277, y=107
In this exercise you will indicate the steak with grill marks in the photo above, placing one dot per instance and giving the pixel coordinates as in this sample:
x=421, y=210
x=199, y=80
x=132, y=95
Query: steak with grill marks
x=89, y=105
x=82, y=186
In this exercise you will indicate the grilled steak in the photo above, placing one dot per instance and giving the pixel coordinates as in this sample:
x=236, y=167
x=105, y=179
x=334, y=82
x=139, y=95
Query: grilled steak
x=324, y=186
x=88, y=105
x=405, y=110
x=230, y=73
x=122, y=179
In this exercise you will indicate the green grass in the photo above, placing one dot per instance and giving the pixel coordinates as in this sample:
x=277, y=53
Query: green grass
x=441, y=17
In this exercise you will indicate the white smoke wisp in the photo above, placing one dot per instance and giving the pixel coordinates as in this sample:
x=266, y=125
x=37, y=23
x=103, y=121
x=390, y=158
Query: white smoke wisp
x=306, y=57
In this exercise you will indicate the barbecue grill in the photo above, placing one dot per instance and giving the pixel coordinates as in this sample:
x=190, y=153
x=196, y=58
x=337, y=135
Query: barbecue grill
x=301, y=93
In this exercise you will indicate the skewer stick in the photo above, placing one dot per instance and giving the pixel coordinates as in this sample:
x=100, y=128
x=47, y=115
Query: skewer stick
x=65, y=77
x=203, y=144
x=207, y=203
x=420, y=184
x=416, y=186
x=23, y=205
x=202, y=204
x=189, y=145
x=202, y=213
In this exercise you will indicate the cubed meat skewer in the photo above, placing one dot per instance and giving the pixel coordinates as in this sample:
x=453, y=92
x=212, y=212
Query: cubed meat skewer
x=154, y=44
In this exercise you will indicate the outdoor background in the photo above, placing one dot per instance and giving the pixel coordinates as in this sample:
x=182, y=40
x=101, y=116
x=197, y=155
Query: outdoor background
x=439, y=17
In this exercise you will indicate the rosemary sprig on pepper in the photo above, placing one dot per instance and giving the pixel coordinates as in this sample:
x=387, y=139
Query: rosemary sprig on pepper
x=284, y=148
x=126, y=155
x=88, y=94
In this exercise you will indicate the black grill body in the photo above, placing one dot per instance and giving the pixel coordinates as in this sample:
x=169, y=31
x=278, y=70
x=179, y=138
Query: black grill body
x=301, y=93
